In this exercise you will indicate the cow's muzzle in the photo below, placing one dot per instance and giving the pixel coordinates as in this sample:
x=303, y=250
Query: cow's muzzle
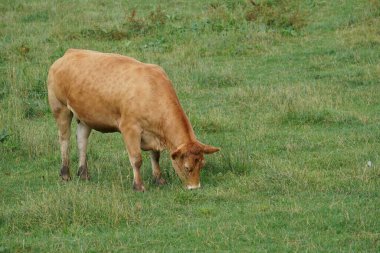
x=193, y=187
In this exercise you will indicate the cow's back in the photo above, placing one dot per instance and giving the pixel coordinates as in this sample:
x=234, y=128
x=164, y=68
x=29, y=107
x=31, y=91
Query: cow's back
x=102, y=88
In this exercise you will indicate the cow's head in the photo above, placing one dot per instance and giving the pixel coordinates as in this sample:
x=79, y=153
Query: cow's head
x=188, y=161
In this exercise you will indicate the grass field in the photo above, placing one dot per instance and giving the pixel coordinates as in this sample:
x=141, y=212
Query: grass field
x=290, y=90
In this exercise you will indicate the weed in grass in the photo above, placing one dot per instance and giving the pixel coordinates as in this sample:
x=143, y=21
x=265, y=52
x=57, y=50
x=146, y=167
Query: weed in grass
x=100, y=34
x=135, y=25
x=4, y=91
x=138, y=26
x=40, y=16
x=4, y=135
x=205, y=79
x=283, y=15
x=158, y=17
x=159, y=45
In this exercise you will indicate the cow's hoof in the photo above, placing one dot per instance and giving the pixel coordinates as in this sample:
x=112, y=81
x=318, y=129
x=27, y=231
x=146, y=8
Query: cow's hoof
x=83, y=173
x=159, y=181
x=65, y=173
x=66, y=178
x=138, y=187
x=85, y=177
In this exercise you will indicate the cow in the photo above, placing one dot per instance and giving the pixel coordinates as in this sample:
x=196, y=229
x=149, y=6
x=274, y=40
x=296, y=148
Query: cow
x=115, y=93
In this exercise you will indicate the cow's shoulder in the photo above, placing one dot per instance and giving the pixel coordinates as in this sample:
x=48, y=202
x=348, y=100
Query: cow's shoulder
x=154, y=71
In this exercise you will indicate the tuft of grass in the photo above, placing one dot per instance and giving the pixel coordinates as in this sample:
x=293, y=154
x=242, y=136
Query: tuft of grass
x=40, y=16
x=94, y=208
x=322, y=117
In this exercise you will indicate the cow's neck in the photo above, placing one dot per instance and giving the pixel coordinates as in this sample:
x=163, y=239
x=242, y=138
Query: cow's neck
x=178, y=130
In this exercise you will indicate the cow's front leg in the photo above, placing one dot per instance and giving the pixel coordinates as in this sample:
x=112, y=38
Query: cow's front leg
x=83, y=132
x=156, y=171
x=132, y=139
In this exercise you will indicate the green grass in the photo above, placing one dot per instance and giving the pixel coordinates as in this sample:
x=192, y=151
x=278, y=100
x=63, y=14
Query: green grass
x=288, y=89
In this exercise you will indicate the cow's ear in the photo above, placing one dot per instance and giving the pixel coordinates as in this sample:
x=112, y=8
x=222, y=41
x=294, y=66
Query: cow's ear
x=207, y=149
x=177, y=152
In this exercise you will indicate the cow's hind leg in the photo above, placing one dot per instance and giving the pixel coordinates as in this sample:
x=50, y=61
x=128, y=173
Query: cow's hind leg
x=132, y=139
x=156, y=171
x=83, y=132
x=63, y=117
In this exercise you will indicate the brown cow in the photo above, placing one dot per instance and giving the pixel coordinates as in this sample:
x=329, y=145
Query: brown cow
x=115, y=93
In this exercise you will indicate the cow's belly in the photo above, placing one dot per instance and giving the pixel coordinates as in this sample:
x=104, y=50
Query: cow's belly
x=100, y=119
x=101, y=127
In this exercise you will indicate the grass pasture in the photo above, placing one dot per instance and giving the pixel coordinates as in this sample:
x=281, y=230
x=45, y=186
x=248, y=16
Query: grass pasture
x=288, y=89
